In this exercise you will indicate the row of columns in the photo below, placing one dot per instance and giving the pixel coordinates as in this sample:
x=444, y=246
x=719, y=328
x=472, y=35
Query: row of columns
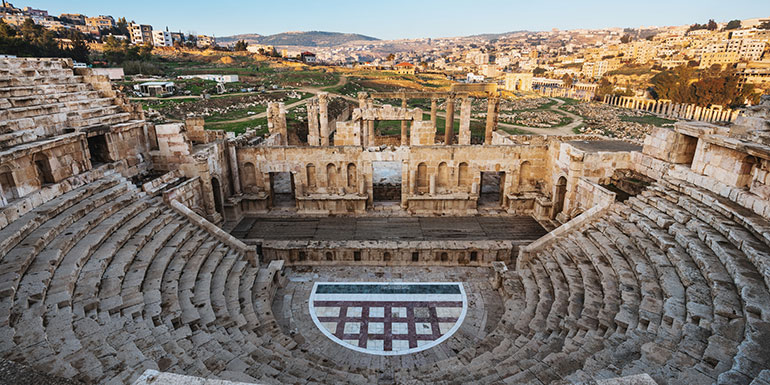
x=493, y=107
x=674, y=110
x=584, y=93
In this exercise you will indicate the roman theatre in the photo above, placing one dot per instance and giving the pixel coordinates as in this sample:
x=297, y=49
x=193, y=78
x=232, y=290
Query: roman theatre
x=140, y=253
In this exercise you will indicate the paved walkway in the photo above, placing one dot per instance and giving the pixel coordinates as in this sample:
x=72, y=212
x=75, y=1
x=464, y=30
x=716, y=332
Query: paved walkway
x=390, y=228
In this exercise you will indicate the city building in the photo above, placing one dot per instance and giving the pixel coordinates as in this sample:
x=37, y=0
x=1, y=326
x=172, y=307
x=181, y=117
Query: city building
x=162, y=38
x=722, y=59
x=518, y=81
x=204, y=41
x=73, y=18
x=307, y=57
x=100, y=22
x=29, y=11
x=140, y=34
x=405, y=68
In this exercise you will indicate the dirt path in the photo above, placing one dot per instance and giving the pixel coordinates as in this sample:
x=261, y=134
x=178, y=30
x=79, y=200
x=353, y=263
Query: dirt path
x=562, y=130
x=310, y=90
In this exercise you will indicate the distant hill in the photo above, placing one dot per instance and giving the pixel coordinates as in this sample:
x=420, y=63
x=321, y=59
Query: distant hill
x=306, y=39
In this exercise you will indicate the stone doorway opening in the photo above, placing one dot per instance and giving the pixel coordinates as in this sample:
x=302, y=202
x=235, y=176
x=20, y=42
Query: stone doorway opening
x=97, y=147
x=216, y=187
x=558, y=196
x=386, y=182
x=491, y=189
x=282, y=189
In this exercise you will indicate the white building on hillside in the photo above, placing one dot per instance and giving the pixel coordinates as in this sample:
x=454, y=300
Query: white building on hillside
x=162, y=38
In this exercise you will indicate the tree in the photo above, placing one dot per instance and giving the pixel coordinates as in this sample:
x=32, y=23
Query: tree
x=538, y=71
x=145, y=51
x=733, y=24
x=240, y=45
x=391, y=57
x=711, y=86
x=605, y=88
x=122, y=26
x=764, y=25
x=80, y=51
x=712, y=25
x=625, y=39
x=567, y=81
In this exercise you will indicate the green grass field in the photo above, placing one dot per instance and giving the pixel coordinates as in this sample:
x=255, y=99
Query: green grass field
x=648, y=119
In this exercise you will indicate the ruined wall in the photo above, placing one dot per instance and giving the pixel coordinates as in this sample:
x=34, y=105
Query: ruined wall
x=28, y=168
x=726, y=165
x=590, y=194
x=668, y=145
x=131, y=144
x=760, y=179
x=425, y=253
x=190, y=193
x=344, y=173
x=573, y=164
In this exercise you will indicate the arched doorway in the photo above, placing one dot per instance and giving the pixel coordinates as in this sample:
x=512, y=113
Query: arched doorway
x=7, y=183
x=560, y=191
x=43, y=166
x=217, y=188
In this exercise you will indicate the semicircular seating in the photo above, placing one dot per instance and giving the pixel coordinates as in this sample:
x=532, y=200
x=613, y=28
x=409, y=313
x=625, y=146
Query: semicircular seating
x=103, y=282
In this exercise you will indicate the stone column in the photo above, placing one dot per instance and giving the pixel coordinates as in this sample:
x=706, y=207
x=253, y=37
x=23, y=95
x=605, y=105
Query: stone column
x=492, y=105
x=404, y=137
x=449, y=124
x=364, y=131
x=313, y=135
x=465, y=122
x=276, y=121
x=432, y=184
x=433, y=110
x=323, y=112
x=370, y=124
x=234, y=168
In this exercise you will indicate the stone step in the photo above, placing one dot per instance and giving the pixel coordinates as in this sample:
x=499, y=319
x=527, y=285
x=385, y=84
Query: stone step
x=17, y=260
x=13, y=81
x=44, y=89
x=12, y=234
x=44, y=98
x=55, y=108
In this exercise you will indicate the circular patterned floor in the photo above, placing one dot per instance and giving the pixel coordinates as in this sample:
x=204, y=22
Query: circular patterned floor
x=292, y=311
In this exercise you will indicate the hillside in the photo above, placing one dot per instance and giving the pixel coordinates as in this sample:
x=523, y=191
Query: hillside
x=306, y=39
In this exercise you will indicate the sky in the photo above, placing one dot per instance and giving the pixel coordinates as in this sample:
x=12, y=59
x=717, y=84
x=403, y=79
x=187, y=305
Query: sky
x=399, y=19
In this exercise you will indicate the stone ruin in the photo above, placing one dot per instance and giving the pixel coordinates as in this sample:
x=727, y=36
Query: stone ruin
x=586, y=260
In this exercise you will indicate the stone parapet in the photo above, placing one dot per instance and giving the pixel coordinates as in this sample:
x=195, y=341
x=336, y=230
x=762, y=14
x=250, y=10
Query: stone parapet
x=248, y=252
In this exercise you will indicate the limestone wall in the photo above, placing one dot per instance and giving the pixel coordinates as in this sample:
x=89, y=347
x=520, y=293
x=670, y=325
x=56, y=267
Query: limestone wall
x=760, y=179
x=726, y=165
x=590, y=194
x=28, y=167
x=383, y=253
x=668, y=145
x=189, y=193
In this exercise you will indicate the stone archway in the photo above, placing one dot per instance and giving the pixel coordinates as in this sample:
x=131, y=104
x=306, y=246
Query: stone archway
x=560, y=191
x=217, y=189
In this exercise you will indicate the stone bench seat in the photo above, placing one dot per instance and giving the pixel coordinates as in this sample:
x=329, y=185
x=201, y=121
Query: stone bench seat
x=50, y=72
x=17, y=230
x=46, y=98
x=728, y=314
x=18, y=259
x=12, y=81
x=43, y=89
x=54, y=108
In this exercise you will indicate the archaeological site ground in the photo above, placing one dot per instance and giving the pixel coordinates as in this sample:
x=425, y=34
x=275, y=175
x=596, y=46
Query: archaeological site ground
x=379, y=241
